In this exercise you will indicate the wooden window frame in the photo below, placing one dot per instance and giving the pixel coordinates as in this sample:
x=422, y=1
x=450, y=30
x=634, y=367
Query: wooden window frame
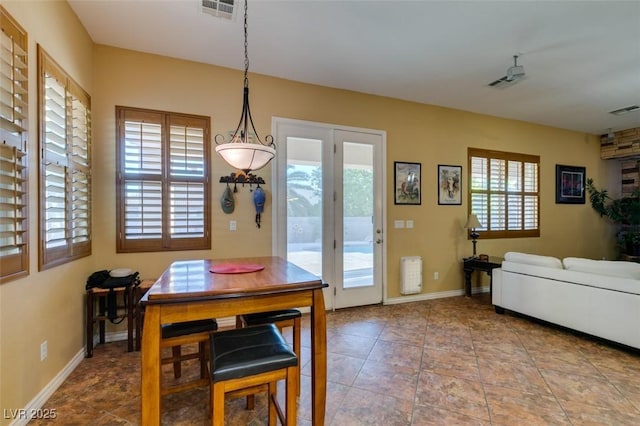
x=486, y=232
x=65, y=167
x=157, y=173
x=14, y=185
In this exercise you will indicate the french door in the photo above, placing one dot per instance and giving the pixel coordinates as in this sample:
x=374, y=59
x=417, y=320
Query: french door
x=329, y=206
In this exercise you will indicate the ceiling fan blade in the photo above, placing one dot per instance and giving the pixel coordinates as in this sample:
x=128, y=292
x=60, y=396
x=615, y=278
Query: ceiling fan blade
x=498, y=81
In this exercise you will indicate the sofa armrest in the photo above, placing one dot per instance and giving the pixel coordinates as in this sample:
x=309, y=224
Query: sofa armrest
x=496, y=287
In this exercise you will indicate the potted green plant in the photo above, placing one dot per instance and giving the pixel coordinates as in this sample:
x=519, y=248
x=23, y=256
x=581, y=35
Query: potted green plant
x=624, y=211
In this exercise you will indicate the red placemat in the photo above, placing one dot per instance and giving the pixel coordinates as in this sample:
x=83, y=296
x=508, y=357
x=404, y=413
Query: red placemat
x=236, y=268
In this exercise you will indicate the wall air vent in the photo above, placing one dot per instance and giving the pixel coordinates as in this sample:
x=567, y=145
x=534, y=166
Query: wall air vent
x=622, y=111
x=220, y=8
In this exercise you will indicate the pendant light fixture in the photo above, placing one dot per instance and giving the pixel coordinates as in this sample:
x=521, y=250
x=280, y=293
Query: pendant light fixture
x=241, y=152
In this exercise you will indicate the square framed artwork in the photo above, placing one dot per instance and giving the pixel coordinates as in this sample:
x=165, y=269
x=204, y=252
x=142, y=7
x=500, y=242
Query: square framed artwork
x=449, y=185
x=570, y=182
x=407, y=178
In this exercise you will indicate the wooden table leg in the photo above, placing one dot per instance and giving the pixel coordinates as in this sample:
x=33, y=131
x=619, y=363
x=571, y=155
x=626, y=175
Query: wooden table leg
x=150, y=370
x=467, y=281
x=319, y=361
x=138, y=310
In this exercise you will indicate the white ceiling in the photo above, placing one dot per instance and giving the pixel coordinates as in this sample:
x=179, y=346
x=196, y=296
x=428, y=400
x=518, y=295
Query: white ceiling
x=582, y=58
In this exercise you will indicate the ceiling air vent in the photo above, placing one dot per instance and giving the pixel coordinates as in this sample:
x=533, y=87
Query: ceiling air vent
x=625, y=110
x=219, y=8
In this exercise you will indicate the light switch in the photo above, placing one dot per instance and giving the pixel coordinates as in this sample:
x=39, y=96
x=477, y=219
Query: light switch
x=409, y=224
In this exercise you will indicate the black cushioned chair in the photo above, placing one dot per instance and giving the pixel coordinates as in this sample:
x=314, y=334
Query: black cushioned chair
x=282, y=319
x=248, y=360
x=176, y=335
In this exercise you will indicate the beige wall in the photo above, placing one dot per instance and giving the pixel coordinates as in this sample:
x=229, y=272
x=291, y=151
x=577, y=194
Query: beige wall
x=45, y=305
x=49, y=305
x=426, y=134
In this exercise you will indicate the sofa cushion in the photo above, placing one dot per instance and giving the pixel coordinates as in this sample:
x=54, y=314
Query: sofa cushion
x=610, y=268
x=533, y=259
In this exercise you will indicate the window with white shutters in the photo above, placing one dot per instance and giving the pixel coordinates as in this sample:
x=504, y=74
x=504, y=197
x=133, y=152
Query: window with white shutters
x=14, y=260
x=503, y=193
x=65, y=166
x=163, y=181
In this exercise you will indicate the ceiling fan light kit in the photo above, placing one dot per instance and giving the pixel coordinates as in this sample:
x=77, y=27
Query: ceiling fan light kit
x=514, y=74
x=516, y=71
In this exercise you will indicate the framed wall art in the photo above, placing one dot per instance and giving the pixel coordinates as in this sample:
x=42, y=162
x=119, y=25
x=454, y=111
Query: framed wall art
x=407, y=179
x=449, y=185
x=570, y=182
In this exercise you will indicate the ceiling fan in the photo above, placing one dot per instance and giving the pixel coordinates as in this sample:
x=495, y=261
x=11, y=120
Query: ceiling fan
x=514, y=73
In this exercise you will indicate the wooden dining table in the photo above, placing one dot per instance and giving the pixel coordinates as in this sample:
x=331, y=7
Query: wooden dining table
x=188, y=290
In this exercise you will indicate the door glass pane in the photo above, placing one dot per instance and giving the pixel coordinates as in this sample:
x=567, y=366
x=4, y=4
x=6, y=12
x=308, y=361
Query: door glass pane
x=304, y=203
x=358, y=197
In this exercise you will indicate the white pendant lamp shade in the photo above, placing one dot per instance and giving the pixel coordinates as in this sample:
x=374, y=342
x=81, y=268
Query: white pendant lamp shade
x=246, y=156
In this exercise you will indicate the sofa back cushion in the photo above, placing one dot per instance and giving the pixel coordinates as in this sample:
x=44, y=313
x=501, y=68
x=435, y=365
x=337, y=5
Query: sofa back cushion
x=610, y=268
x=533, y=259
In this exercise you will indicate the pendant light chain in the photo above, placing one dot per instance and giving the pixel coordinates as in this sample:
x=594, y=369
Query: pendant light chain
x=246, y=46
x=240, y=152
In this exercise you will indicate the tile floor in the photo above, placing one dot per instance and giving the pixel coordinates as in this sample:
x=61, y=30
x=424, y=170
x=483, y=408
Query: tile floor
x=441, y=362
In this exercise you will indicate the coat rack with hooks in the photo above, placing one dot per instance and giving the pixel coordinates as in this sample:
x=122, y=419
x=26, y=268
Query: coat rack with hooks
x=243, y=179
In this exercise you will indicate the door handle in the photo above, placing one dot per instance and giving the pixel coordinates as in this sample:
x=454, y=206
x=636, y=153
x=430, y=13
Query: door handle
x=379, y=241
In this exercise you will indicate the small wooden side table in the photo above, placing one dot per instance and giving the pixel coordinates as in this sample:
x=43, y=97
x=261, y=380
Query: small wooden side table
x=471, y=264
x=124, y=298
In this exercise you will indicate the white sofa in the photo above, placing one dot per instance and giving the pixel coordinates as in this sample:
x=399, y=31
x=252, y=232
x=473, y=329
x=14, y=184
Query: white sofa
x=597, y=297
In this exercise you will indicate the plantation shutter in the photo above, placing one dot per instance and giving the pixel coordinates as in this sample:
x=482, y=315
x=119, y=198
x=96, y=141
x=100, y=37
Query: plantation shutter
x=142, y=178
x=187, y=172
x=65, y=214
x=504, y=193
x=13, y=149
x=80, y=175
x=531, y=197
x=164, y=181
x=55, y=162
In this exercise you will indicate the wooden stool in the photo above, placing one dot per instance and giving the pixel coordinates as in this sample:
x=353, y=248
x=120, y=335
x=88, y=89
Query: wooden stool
x=125, y=309
x=248, y=360
x=283, y=318
x=183, y=333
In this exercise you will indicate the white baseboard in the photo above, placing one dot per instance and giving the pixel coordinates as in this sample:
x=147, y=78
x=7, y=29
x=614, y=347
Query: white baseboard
x=23, y=417
x=431, y=296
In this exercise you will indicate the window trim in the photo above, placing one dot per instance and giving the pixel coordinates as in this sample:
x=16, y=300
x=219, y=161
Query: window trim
x=166, y=242
x=507, y=156
x=69, y=250
x=14, y=264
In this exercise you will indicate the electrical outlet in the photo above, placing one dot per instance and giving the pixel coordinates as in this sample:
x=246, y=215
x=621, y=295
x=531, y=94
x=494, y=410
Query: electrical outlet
x=409, y=224
x=232, y=225
x=436, y=276
x=43, y=350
